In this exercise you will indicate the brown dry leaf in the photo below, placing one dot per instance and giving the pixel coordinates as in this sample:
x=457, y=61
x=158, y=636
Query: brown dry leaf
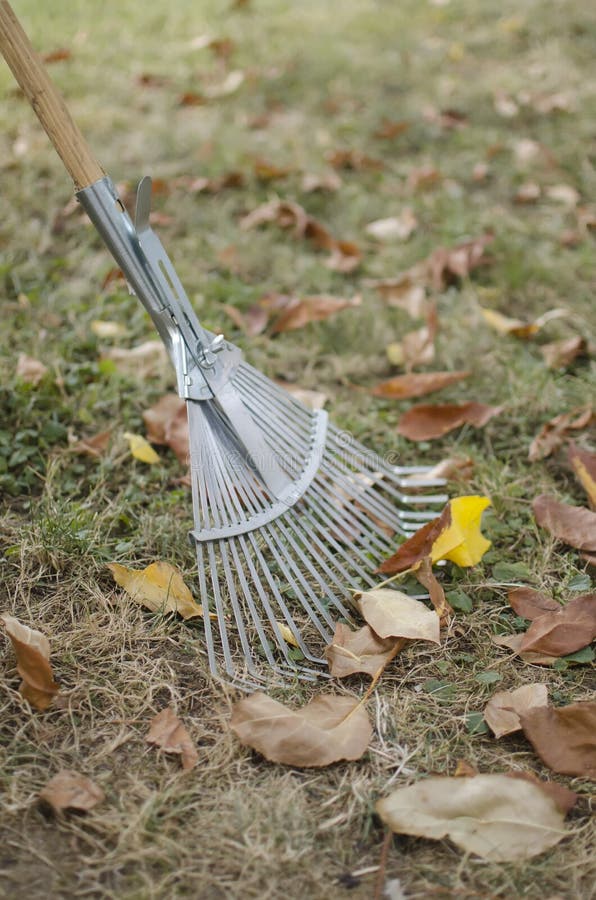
x=303, y=311
x=160, y=587
x=464, y=769
x=345, y=257
x=480, y=172
x=446, y=265
x=93, y=446
x=560, y=354
x=424, y=177
x=565, y=737
x=389, y=129
x=404, y=293
x=143, y=361
x=447, y=119
x=403, y=387
x=573, y=525
x=493, y=816
x=427, y=421
x=213, y=185
x=563, y=631
x=71, y=790
x=329, y=728
x=529, y=192
x=312, y=399
x=394, y=228
x=529, y=604
x=192, y=98
x=503, y=710
x=513, y=642
x=554, y=432
x=359, y=651
x=268, y=171
x=252, y=322
x=418, y=347
x=328, y=181
x=32, y=650
x=391, y=613
x=55, y=56
x=354, y=160
x=167, y=423
x=504, y=325
x=427, y=578
x=563, y=797
x=454, y=468
x=30, y=370
x=583, y=464
x=418, y=547
x=169, y=734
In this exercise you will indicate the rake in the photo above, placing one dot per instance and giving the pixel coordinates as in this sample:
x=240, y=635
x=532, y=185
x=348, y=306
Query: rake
x=291, y=515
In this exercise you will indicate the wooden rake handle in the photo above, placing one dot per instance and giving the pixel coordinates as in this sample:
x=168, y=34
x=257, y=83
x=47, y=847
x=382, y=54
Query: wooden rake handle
x=47, y=103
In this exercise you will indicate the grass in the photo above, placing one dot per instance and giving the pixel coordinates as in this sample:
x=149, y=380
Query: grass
x=323, y=78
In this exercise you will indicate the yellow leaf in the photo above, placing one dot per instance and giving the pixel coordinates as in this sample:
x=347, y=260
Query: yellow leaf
x=505, y=325
x=462, y=541
x=141, y=449
x=160, y=587
x=287, y=634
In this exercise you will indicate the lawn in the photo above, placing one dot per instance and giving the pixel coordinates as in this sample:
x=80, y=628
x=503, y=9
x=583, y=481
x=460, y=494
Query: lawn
x=499, y=102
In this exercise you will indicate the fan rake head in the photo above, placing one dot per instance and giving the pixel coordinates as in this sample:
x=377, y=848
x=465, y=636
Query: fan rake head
x=276, y=574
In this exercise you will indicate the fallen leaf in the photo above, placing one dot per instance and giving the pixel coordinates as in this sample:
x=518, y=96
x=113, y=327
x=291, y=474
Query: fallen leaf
x=143, y=361
x=287, y=634
x=359, y=651
x=503, y=710
x=403, y=387
x=461, y=541
x=404, y=293
x=141, y=449
x=563, y=797
x=268, y=171
x=345, y=257
x=493, y=816
x=167, y=423
x=529, y=604
x=513, y=642
x=426, y=421
x=425, y=575
x=30, y=370
x=213, y=185
x=560, y=354
x=252, y=322
x=114, y=276
x=418, y=547
x=418, y=347
x=303, y=311
x=55, y=56
x=391, y=613
x=554, y=432
x=505, y=106
x=563, y=193
x=354, y=160
x=480, y=172
x=527, y=150
x=564, y=737
x=160, y=588
x=572, y=525
x=71, y=790
x=424, y=177
x=394, y=228
x=583, y=464
x=329, y=728
x=565, y=630
x=32, y=650
x=169, y=734
x=464, y=769
x=504, y=325
x=311, y=399
x=192, y=98
x=447, y=119
x=447, y=265
x=529, y=192
x=107, y=329
x=389, y=129
x=93, y=446
x=229, y=85
x=454, y=468
x=329, y=181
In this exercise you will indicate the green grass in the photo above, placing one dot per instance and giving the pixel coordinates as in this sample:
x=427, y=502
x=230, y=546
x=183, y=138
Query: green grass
x=326, y=76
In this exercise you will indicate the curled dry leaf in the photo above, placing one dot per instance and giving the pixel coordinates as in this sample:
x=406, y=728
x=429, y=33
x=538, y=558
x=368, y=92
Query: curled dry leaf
x=554, y=432
x=504, y=708
x=169, y=734
x=329, y=181
x=565, y=737
x=92, y=446
x=141, y=449
x=394, y=228
x=229, y=85
x=144, y=361
x=312, y=399
x=389, y=129
x=329, y=728
x=454, y=468
x=448, y=264
x=167, y=423
x=301, y=312
x=424, y=177
x=403, y=292
x=391, y=613
x=425, y=575
x=494, y=816
x=428, y=421
x=71, y=790
x=354, y=160
x=32, y=650
x=528, y=192
x=513, y=642
x=160, y=587
x=403, y=387
x=454, y=535
x=563, y=631
x=573, y=525
x=583, y=464
x=504, y=325
x=560, y=354
x=529, y=604
x=252, y=322
x=359, y=651
x=268, y=171
x=30, y=370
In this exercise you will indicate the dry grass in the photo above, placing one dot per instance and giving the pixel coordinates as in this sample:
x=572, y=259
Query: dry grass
x=237, y=826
